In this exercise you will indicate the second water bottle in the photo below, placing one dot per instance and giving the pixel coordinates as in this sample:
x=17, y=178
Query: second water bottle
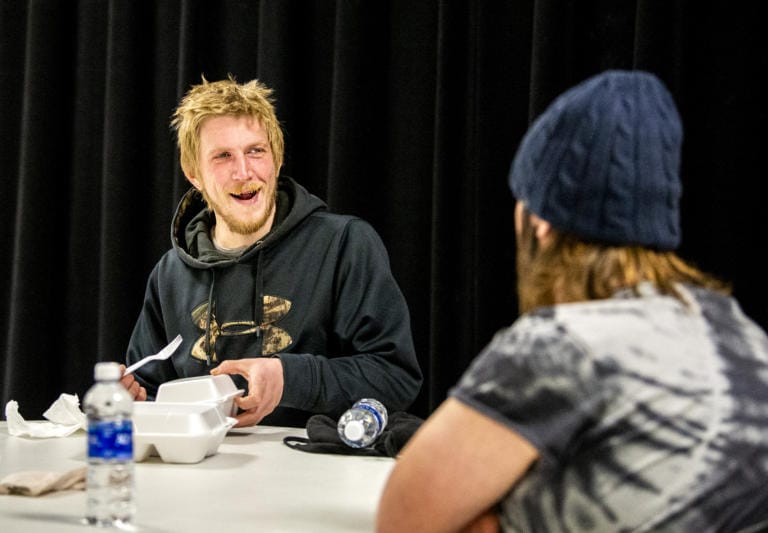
x=362, y=424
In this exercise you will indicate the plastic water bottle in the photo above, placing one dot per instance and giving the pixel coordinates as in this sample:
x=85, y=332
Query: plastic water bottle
x=362, y=424
x=110, y=482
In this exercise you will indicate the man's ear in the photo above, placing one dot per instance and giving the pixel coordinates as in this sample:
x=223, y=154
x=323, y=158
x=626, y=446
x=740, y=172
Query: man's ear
x=542, y=229
x=195, y=183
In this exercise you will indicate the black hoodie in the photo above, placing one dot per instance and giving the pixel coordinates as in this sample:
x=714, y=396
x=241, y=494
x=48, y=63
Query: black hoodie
x=317, y=292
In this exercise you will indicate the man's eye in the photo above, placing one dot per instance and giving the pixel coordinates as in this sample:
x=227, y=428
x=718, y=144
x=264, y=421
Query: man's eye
x=222, y=155
x=258, y=150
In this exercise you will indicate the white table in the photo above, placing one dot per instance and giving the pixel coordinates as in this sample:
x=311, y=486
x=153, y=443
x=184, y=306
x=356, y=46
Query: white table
x=254, y=483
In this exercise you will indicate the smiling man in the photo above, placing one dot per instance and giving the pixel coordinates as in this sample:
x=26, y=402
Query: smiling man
x=263, y=283
x=237, y=179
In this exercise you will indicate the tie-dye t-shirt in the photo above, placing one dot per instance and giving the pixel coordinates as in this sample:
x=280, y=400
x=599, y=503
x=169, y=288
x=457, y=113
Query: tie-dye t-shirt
x=648, y=415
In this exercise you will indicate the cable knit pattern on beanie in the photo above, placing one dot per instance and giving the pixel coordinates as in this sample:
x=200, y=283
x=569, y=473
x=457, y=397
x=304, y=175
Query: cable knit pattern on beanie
x=603, y=159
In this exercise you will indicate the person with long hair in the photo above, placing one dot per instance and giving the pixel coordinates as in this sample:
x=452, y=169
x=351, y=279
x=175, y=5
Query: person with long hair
x=631, y=394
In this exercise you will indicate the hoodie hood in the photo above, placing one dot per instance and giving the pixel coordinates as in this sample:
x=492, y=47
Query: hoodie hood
x=190, y=231
x=191, y=238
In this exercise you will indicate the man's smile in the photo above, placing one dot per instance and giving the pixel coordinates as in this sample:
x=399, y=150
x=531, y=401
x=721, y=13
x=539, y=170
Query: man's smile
x=245, y=195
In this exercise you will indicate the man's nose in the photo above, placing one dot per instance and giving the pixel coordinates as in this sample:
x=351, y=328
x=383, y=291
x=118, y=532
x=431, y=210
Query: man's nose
x=240, y=170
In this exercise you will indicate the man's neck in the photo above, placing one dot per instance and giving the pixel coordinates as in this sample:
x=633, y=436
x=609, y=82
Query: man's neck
x=227, y=240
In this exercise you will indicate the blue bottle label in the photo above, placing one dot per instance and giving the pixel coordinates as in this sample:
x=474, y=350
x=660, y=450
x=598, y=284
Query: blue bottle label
x=111, y=440
x=375, y=413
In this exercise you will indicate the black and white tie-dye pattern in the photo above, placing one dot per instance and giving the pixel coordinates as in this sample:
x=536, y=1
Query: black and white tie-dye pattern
x=648, y=415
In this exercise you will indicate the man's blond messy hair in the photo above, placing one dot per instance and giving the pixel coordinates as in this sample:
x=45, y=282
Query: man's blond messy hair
x=224, y=97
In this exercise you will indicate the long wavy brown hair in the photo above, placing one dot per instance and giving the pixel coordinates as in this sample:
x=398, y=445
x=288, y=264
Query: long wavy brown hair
x=569, y=269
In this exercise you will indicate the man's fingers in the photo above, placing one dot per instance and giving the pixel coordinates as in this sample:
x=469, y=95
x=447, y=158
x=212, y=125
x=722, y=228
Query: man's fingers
x=246, y=403
x=249, y=418
x=265, y=386
x=230, y=366
x=133, y=387
x=141, y=393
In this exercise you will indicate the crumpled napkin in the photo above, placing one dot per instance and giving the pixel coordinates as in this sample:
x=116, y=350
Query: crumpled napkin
x=64, y=417
x=35, y=483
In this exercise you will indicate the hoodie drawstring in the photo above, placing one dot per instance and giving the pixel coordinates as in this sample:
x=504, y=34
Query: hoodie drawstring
x=209, y=320
x=258, y=301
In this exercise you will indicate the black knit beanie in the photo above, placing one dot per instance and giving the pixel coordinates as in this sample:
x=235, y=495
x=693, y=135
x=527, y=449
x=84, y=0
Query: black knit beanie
x=602, y=162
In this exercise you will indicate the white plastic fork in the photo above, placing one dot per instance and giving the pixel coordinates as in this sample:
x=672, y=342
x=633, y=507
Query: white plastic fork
x=165, y=353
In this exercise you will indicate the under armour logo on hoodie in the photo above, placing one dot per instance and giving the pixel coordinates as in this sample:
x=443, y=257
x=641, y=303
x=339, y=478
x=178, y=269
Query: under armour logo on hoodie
x=274, y=339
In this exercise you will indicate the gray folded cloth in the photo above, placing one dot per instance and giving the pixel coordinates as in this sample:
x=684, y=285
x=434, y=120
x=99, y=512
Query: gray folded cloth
x=37, y=482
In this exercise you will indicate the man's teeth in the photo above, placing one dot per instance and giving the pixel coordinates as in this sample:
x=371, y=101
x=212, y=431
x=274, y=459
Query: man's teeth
x=245, y=195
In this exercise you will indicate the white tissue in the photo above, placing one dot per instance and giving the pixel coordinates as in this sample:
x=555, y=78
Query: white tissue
x=64, y=417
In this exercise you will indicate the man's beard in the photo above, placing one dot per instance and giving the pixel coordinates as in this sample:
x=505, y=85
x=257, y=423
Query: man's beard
x=239, y=226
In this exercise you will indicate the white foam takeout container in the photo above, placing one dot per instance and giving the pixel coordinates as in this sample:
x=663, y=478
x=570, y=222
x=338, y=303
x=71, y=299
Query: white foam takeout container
x=187, y=421
x=219, y=390
x=178, y=432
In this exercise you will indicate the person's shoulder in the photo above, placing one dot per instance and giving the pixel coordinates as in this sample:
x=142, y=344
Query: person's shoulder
x=351, y=224
x=623, y=303
x=539, y=327
x=570, y=323
x=336, y=218
x=168, y=261
x=537, y=343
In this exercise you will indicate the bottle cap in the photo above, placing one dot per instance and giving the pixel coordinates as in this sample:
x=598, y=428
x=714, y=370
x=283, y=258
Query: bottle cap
x=354, y=430
x=107, y=371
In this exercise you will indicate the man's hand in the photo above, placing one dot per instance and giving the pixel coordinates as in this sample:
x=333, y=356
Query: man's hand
x=265, y=386
x=138, y=392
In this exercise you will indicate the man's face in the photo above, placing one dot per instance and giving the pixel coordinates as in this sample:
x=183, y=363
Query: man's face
x=238, y=178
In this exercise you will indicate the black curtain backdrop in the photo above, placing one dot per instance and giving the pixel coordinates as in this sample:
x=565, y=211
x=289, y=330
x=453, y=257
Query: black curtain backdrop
x=404, y=112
